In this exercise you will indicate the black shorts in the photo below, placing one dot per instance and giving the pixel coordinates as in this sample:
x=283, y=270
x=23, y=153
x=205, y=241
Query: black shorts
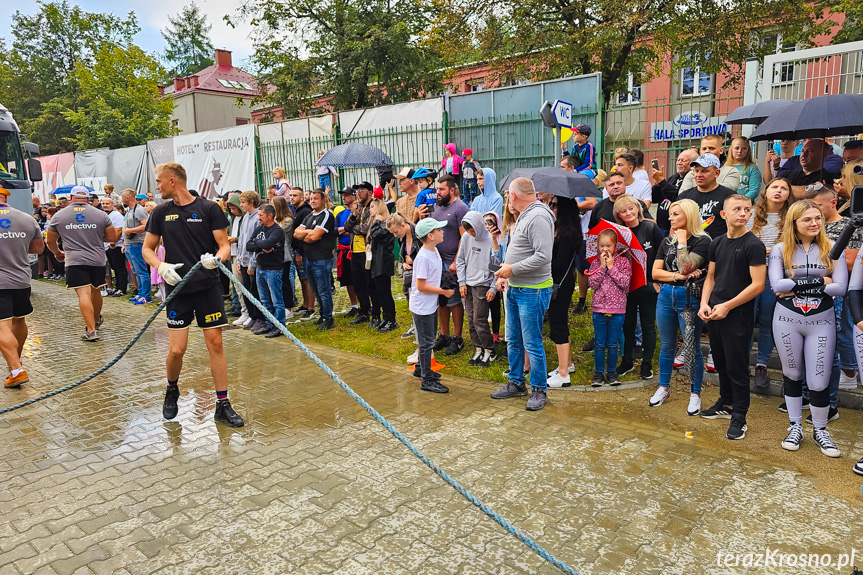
x=207, y=306
x=82, y=276
x=15, y=303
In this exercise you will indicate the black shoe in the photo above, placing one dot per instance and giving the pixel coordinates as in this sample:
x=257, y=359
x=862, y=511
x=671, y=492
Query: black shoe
x=234, y=311
x=589, y=345
x=318, y=321
x=441, y=342
x=580, y=307
x=832, y=415
x=737, y=429
x=169, y=407
x=353, y=312
x=637, y=352
x=361, y=318
x=434, y=387
x=537, y=400
x=226, y=414
x=625, y=367
x=275, y=332
x=612, y=378
x=262, y=328
x=598, y=379
x=456, y=344
x=784, y=408
x=509, y=390
x=645, y=372
x=375, y=323
x=762, y=380
x=718, y=411
x=388, y=326
x=326, y=325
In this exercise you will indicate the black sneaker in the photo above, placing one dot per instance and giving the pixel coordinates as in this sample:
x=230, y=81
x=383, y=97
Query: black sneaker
x=388, y=326
x=761, y=378
x=784, y=408
x=637, y=352
x=375, y=323
x=645, y=372
x=456, y=344
x=537, y=400
x=327, y=325
x=263, y=327
x=737, y=429
x=434, y=387
x=318, y=321
x=832, y=415
x=275, y=332
x=625, y=367
x=580, y=307
x=226, y=414
x=718, y=411
x=598, y=379
x=353, y=312
x=589, y=345
x=612, y=378
x=434, y=375
x=169, y=407
x=441, y=342
x=361, y=318
x=509, y=390
x=477, y=356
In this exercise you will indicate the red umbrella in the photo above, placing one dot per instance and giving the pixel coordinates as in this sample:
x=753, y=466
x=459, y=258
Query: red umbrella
x=625, y=237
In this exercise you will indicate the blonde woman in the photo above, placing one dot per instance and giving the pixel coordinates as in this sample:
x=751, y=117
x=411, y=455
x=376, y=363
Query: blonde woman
x=805, y=280
x=740, y=157
x=285, y=219
x=283, y=187
x=682, y=256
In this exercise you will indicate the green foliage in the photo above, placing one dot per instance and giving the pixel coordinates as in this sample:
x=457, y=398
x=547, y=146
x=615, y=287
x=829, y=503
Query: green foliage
x=852, y=28
x=189, y=48
x=358, y=53
x=119, y=100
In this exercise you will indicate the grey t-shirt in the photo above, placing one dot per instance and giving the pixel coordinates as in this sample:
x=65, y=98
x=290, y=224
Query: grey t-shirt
x=134, y=217
x=17, y=230
x=82, y=228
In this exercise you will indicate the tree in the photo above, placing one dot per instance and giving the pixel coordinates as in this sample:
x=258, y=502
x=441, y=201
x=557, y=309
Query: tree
x=356, y=53
x=120, y=103
x=36, y=70
x=189, y=49
x=543, y=39
x=852, y=28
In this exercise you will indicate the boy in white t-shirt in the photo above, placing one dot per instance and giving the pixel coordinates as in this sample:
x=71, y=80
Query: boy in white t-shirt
x=425, y=289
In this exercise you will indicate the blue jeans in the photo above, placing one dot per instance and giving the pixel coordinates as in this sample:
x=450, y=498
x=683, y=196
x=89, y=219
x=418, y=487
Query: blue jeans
x=320, y=273
x=139, y=268
x=607, y=328
x=270, y=292
x=764, y=304
x=525, y=308
x=669, y=317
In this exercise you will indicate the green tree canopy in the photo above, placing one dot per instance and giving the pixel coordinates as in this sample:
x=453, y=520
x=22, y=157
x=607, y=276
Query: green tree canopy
x=357, y=52
x=120, y=104
x=189, y=48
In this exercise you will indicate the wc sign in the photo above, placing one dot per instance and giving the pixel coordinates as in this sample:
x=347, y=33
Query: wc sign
x=562, y=113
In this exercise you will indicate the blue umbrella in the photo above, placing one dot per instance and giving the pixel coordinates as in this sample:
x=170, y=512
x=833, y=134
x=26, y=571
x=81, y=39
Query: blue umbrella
x=832, y=115
x=756, y=113
x=354, y=155
x=66, y=189
x=555, y=181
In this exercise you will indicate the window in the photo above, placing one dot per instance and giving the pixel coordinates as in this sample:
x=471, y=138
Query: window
x=242, y=121
x=475, y=85
x=694, y=82
x=783, y=72
x=632, y=94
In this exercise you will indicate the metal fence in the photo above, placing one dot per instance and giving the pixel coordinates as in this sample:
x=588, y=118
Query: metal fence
x=802, y=74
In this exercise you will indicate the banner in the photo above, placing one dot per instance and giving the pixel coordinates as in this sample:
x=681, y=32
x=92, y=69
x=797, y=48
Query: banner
x=57, y=171
x=158, y=152
x=687, y=126
x=124, y=168
x=218, y=161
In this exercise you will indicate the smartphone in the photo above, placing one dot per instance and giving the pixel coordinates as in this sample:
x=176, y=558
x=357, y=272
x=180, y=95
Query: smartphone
x=493, y=267
x=491, y=223
x=857, y=200
x=655, y=164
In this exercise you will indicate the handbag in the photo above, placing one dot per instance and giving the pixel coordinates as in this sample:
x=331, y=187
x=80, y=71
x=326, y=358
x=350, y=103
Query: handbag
x=555, y=286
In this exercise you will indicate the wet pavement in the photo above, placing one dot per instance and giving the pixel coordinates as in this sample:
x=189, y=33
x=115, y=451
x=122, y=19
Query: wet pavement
x=95, y=481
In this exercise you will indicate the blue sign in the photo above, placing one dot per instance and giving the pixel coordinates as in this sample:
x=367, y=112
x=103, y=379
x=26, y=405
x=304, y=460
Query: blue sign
x=562, y=113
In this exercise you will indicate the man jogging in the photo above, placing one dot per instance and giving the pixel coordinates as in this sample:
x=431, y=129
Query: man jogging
x=84, y=231
x=192, y=229
x=19, y=235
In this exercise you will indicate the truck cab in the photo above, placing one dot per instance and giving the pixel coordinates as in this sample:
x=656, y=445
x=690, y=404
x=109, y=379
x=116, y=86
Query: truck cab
x=17, y=174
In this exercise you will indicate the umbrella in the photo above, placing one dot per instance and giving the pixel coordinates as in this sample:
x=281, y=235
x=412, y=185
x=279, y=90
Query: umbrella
x=354, y=155
x=555, y=181
x=689, y=340
x=625, y=237
x=66, y=190
x=756, y=113
x=832, y=115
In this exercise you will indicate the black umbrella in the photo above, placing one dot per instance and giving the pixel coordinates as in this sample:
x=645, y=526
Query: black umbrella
x=555, y=181
x=833, y=115
x=354, y=155
x=756, y=113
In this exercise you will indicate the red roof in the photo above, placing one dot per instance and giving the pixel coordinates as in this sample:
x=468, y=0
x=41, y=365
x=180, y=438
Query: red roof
x=215, y=80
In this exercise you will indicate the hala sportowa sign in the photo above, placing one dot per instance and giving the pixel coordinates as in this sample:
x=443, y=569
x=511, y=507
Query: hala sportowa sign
x=687, y=126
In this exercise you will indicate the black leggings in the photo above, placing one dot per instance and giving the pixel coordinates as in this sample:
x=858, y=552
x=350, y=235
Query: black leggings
x=494, y=307
x=641, y=302
x=382, y=298
x=287, y=286
x=558, y=312
x=250, y=284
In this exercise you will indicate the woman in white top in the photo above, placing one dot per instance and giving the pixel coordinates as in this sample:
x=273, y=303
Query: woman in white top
x=766, y=224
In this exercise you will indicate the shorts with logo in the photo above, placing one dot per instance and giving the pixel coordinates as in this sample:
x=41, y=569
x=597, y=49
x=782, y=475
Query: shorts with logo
x=15, y=303
x=82, y=276
x=207, y=306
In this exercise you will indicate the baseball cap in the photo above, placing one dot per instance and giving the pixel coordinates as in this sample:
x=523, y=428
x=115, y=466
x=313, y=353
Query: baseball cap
x=363, y=186
x=582, y=129
x=379, y=192
x=80, y=191
x=141, y=197
x=426, y=225
x=348, y=191
x=706, y=161
x=405, y=173
x=5, y=192
x=467, y=152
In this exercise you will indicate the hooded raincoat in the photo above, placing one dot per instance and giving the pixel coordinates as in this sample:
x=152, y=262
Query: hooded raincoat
x=489, y=200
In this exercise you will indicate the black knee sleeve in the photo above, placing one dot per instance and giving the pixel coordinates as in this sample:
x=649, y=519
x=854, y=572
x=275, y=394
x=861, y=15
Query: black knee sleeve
x=819, y=398
x=792, y=387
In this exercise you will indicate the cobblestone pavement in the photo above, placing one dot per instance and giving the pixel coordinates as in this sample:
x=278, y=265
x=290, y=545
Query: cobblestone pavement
x=94, y=481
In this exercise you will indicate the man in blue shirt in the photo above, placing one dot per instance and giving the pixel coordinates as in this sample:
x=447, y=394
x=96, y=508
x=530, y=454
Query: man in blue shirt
x=343, y=247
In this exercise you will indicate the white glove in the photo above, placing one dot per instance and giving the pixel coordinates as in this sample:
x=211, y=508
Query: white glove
x=209, y=261
x=169, y=274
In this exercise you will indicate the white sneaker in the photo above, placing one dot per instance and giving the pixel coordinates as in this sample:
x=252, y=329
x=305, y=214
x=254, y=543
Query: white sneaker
x=104, y=292
x=658, y=397
x=694, y=404
x=708, y=363
x=241, y=320
x=570, y=370
x=414, y=357
x=846, y=382
x=678, y=361
x=557, y=380
x=248, y=322
x=288, y=314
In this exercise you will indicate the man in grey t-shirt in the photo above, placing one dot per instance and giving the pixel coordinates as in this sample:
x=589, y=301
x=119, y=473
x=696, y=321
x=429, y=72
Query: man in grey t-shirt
x=84, y=229
x=134, y=231
x=19, y=235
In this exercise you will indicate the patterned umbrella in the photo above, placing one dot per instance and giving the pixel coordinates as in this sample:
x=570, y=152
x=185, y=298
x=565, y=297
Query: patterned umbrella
x=626, y=238
x=354, y=155
x=689, y=342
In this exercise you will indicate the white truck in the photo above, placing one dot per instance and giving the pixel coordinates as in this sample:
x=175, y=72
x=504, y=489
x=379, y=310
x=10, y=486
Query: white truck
x=17, y=174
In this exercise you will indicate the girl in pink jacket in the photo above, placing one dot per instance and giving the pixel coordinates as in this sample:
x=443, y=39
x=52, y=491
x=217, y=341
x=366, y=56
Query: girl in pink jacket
x=451, y=162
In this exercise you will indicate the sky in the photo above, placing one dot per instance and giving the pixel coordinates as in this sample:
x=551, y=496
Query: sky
x=152, y=18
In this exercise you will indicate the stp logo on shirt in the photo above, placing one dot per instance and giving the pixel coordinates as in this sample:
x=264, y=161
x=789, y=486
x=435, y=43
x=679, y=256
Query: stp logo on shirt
x=171, y=217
